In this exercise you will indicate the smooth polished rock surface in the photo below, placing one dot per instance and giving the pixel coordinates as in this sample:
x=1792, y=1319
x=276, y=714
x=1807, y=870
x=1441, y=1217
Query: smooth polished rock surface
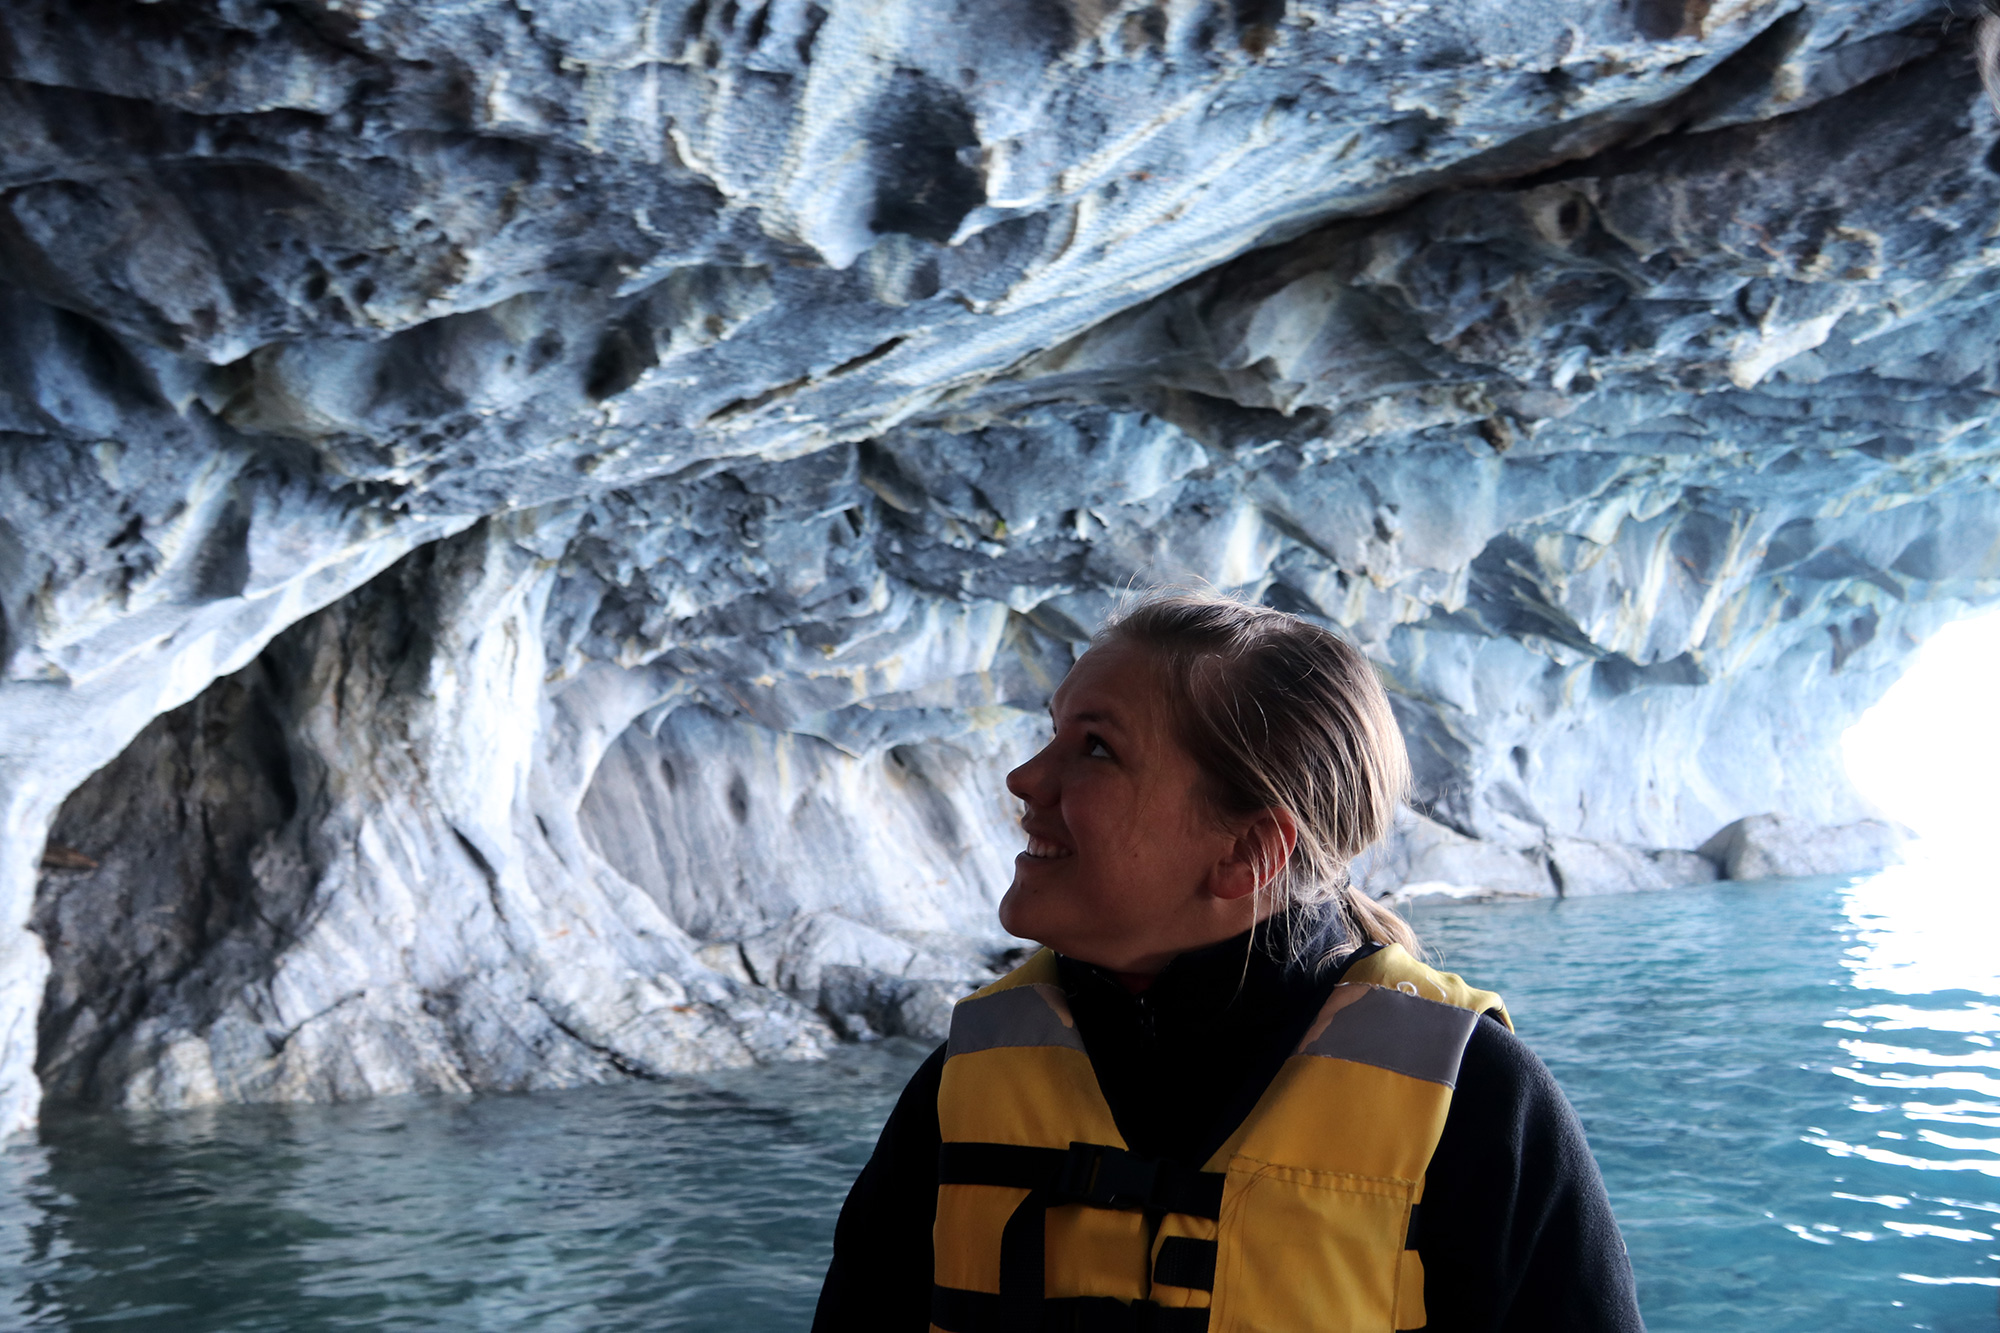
x=1769, y=846
x=530, y=537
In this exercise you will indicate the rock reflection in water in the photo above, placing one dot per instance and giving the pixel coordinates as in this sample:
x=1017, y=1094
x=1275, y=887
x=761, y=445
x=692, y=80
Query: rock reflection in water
x=698, y=1204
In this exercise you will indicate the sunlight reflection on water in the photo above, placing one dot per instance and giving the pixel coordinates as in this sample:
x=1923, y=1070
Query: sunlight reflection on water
x=1933, y=925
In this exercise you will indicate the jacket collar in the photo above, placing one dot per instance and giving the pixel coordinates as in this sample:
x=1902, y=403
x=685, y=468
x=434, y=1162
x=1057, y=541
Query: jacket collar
x=1268, y=968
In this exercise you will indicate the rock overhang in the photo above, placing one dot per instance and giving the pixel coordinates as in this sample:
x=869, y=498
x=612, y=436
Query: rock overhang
x=818, y=383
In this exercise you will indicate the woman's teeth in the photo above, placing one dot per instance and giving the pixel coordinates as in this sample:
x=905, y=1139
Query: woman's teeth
x=1043, y=850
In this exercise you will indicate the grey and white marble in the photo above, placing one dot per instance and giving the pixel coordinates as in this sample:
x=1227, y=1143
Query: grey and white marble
x=531, y=535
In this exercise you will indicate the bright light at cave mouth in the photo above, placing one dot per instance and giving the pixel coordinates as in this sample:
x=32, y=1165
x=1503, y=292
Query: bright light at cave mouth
x=1929, y=753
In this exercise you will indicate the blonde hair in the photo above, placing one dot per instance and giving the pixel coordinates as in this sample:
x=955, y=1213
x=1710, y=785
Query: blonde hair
x=1278, y=712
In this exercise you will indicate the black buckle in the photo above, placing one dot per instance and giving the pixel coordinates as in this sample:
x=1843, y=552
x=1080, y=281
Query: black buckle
x=1106, y=1177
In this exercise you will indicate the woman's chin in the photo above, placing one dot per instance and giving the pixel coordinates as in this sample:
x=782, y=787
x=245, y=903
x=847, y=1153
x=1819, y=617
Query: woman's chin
x=1025, y=914
x=1015, y=916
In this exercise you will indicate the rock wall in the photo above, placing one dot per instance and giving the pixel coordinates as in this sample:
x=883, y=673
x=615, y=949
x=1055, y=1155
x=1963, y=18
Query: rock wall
x=530, y=537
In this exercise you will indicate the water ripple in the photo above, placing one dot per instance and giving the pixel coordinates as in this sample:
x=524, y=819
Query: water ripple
x=1793, y=1090
x=1776, y=1079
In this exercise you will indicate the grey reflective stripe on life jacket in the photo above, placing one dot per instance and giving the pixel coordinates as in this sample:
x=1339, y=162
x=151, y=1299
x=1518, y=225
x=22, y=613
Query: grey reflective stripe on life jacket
x=1036, y=1015
x=1400, y=1032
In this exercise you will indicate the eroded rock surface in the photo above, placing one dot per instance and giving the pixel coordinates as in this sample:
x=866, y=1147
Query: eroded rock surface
x=549, y=525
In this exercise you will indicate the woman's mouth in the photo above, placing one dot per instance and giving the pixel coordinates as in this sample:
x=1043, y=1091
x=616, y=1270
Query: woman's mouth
x=1041, y=849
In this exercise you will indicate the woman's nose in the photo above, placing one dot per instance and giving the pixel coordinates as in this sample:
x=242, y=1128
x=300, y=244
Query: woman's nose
x=1031, y=781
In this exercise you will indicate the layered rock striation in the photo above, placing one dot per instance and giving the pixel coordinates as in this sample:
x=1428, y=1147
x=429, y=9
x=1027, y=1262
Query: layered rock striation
x=530, y=537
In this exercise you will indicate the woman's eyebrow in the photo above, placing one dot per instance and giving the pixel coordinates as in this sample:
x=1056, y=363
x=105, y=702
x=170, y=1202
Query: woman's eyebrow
x=1094, y=716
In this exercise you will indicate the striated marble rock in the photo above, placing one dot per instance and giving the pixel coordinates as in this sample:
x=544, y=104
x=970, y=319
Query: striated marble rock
x=348, y=879
x=531, y=536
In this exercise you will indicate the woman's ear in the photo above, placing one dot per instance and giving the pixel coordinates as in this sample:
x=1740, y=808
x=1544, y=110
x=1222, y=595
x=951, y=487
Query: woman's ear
x=1262, y=845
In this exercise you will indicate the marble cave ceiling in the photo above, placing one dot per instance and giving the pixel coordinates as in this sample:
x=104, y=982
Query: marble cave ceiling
x=529, y=533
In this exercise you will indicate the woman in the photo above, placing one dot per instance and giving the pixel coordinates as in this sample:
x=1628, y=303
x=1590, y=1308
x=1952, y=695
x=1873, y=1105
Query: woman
x=1226, y=1095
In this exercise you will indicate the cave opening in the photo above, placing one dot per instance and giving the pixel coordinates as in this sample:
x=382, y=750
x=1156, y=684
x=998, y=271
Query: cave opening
x=1924, y=752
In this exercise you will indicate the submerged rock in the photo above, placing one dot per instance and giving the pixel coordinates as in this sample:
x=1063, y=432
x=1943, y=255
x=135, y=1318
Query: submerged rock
x=529, y=540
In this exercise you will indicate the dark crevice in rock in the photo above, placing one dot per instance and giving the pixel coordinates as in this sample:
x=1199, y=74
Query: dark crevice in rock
x=200, y=877
x=610, y=1056
x=927, y=181
x=486, y=871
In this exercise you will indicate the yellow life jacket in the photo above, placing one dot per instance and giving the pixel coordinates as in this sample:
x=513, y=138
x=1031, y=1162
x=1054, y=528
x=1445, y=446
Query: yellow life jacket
x=1303, y=1220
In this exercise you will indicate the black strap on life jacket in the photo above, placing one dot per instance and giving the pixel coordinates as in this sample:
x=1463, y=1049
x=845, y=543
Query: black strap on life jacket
x=1094, y=1175
x=1186, y=1262
x=982, y=1312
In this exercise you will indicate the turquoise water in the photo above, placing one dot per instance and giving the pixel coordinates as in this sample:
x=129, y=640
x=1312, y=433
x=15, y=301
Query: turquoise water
x=1794, y=1090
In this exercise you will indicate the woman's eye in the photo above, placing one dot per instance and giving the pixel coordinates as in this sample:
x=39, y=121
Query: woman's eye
x=1096, y=748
